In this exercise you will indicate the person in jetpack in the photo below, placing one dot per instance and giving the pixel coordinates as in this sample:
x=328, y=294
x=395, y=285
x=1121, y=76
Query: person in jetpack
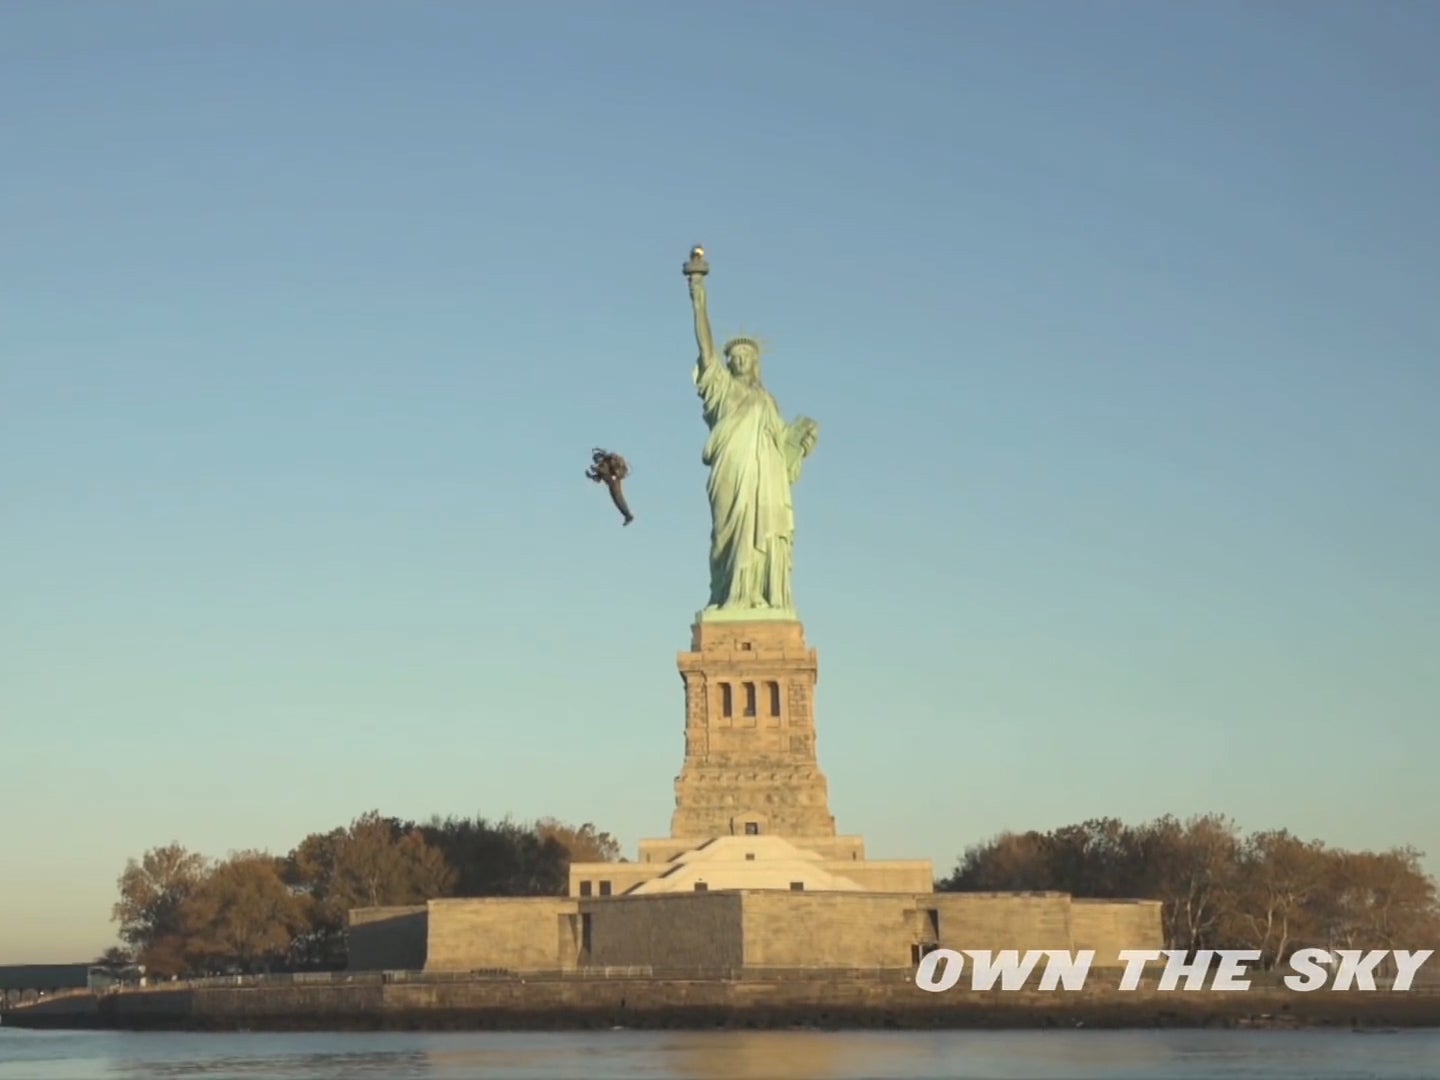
x=610, y=469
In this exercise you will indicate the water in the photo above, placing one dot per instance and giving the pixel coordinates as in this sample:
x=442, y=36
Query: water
x=770, y=1055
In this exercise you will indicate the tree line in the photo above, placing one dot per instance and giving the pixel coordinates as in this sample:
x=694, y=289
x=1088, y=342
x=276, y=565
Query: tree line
x=181, y=913
x=1222, y=888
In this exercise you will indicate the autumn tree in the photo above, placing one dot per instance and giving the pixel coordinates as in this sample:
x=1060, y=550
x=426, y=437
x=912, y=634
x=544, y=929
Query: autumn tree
x=584, y=843
x=153, y=892
x=115, y=959
x=1101, y=857
x=1191, y=868
x=1378, y=900
x=375, y=862
x=243, y=915
x=503, y=858
x=180, y=914
x=1272, y=902
x=1218, y=888
x=1011, y=862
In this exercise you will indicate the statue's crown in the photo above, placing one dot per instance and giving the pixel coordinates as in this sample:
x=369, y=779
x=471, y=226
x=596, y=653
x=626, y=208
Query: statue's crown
x=742, y=340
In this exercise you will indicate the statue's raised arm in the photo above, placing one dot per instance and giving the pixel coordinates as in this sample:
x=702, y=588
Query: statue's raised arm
x=695, y=271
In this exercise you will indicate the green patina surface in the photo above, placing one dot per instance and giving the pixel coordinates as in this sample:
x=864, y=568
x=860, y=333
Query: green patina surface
x=755, y=457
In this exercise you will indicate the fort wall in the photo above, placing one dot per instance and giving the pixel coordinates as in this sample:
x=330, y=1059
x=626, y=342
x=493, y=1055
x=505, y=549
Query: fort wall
x=513, y=933
x=388, y=938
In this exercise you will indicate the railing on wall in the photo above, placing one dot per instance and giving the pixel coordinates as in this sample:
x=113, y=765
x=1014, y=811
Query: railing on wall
x=383, y=978
x=1425, y=982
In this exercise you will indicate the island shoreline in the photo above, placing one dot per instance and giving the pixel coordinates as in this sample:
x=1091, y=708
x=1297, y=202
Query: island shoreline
x=585, y=1005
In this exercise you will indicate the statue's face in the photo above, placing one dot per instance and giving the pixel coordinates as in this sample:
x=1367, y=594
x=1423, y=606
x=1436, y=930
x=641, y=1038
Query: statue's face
x=744, y=361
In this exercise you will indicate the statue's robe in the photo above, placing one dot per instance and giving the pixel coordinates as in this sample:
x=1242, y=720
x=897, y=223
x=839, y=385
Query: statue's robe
x=753, y=460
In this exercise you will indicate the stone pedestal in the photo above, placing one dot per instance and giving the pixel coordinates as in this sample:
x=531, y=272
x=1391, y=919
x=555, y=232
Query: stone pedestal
x=750, y=764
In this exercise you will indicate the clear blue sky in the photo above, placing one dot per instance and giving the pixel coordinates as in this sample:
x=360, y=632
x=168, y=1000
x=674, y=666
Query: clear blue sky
x=1120, y=321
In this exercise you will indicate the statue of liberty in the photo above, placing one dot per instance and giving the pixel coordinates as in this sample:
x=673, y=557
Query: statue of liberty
x=754, y=457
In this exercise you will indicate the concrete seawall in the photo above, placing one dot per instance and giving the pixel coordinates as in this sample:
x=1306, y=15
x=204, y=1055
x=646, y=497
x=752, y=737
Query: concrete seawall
x=575, y=1003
